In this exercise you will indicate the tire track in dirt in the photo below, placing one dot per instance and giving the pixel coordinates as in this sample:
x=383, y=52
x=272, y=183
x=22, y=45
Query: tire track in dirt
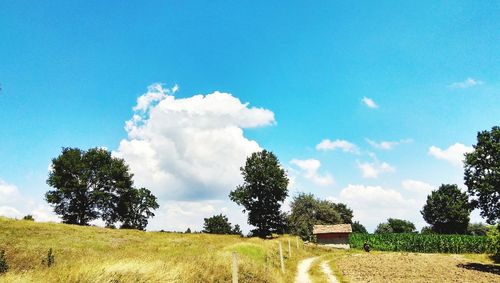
x=303, y=270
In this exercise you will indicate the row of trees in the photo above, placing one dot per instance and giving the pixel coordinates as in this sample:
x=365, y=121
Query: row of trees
x=92, y=184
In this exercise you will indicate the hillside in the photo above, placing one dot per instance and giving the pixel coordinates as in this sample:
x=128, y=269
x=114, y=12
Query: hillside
x=93, y=254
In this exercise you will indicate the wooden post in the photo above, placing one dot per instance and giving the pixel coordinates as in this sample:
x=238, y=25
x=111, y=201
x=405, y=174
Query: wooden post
x=289, y=249
x=281, y=259
x=235, y=267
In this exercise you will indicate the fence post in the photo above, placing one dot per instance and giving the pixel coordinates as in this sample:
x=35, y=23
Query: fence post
x=281, y=258
x=235, y=267
x=289, y=249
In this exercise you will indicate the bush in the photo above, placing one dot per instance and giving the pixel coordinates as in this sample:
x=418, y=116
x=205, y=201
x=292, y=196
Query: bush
x=29, y=217
x=3, y=263
x=493, y=237
x=50, y=258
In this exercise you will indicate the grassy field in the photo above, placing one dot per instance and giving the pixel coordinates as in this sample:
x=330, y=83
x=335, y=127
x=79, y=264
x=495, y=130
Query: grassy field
x=93, y=254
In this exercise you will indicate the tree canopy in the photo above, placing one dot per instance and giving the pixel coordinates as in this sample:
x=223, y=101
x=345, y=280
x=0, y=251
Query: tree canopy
x=394, y=225
x=482, y=174
x=263, y=191
x=358, y=228
x=447, y=210
x=307, y=211
x=92, y=184
x=219, y=224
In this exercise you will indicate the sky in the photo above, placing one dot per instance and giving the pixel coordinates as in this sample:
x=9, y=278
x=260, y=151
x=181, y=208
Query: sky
x=372, y=104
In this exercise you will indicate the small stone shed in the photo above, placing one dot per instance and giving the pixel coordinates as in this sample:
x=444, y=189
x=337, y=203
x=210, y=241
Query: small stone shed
x=336, y=236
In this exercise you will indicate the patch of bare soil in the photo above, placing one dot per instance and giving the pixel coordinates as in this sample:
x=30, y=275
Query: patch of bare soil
x=412, y=267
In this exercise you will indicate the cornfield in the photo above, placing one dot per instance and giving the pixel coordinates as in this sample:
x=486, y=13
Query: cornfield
x=421, y=243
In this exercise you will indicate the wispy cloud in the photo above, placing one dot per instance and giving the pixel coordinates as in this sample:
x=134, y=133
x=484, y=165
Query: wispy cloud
x=344, y=145
x=467, y=83
x=369, y=102
x=387, y=145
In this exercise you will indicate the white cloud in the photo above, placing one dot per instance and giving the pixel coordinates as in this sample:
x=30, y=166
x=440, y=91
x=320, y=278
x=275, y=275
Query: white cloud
x=344, y=145
x=190, y=148
x=469, y=82
x=374, y=204
x=417, y=187
x=374, y=169
x=309, y=168
x=454, y=154
x=180, y=215
x=369, y=102
x=14, y=204
x=386, y=145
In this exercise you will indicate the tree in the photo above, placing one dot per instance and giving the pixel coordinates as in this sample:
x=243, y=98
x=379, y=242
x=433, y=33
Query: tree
x=217, y=224
x=447, y=210
x=92, y=184
x=135, y=207
x=29, y=217
x=477, y=229
x=188, y=231
x=482, y=174
x=263, y=191
x=237, y=230
x=358, y=228
x=394, y=225
x=307, y=211
x=383, y=228
x=344, y=211
x=401, y=226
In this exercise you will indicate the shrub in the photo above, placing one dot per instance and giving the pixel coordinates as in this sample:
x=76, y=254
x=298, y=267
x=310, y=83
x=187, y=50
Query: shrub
x=29, y=217
x=50, y=258
x=493, y=237
x=3, y=263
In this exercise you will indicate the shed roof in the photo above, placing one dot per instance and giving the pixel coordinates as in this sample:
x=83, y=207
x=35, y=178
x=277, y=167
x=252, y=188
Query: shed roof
x=338, y=228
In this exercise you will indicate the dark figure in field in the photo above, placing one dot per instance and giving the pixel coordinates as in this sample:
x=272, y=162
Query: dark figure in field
x=366, y=247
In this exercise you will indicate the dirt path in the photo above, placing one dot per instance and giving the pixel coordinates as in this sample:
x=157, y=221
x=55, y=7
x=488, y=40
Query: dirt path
x=328, y=272
x=303, y=269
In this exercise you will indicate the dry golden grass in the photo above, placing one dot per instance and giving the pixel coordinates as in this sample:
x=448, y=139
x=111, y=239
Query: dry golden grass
x=93, y=254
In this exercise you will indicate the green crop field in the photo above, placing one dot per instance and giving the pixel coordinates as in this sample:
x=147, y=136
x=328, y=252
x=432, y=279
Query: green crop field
x=410, y=242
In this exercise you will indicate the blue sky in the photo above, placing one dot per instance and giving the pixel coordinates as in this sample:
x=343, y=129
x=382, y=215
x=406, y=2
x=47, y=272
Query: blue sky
x=72, y=72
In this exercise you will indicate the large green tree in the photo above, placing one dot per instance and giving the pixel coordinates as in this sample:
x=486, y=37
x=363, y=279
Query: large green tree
x=93, y=184
x=217, y=224
x=482, y=174
x=447, y=210
x=262, y=193
x=394, y=225
x=307, y=211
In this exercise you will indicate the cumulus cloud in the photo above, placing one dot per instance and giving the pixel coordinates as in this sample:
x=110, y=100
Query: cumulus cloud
x=417, y=187
x=454, y=154
x=374, y=204
x=343, y=145
x=190, y=148
x=374, y=169
x=386, y=145
x=309, y=169
x=14, y=204
x=467, y=83
x=10, y=197
x=369, y=102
